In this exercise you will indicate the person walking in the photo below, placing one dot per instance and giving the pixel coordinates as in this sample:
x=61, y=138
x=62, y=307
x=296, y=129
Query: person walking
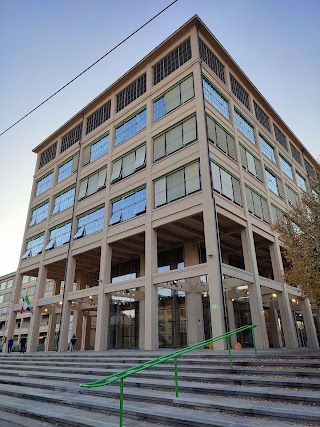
x=73, y=342
x=23, y=342
x=10, y=345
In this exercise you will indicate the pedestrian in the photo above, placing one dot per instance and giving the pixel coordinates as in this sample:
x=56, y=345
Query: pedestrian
x=23, y=342
x=10, y=345
x=73, y=342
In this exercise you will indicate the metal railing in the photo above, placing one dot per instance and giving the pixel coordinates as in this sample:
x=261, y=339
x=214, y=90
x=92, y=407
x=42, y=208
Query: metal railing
x=122, y=375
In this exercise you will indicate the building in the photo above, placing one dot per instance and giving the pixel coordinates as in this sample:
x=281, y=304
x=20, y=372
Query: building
x=152, y=207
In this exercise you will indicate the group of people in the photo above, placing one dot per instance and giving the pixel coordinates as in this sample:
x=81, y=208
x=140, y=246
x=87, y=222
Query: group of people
x=23, y=343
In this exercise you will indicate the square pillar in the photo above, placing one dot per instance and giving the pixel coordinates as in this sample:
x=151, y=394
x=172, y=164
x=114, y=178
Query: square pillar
x=51, y=331
x=287, y=321
x=276, y=333
x=77, y=325
x=309, y=323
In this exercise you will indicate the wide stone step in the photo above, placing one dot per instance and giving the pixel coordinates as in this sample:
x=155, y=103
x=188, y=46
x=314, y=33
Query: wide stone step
x=256, y=393
x=192, y=414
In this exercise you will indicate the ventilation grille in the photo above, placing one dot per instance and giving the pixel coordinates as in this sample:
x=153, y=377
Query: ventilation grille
x=48, y=155
x=309, y=168
x=132, y=92
x=71, y=137
x=98, y=117
x=295, y=154
x=211, y=60
x=239, y=92
x=261, y=116
x=280, y=137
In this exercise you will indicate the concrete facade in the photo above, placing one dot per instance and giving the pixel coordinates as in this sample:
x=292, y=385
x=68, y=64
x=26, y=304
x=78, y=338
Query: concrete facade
x=151, y=209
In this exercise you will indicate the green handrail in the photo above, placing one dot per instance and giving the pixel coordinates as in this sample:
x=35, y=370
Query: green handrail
x=122, y=375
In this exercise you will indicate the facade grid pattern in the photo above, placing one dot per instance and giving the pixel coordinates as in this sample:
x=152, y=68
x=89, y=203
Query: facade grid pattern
x=240, y=92
x=98, y=117
x=132, y=92
x=71, y=137
x=261, y=116
x=211, y=60
x=280, y=137
x=48, y=155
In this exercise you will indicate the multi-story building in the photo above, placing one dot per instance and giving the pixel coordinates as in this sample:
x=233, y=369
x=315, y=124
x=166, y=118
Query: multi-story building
x=153, y=206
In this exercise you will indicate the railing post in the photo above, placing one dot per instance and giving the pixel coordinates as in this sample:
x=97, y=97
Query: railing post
x=121, y=402
x=254, y=341
x=176, y=376
x=229, y=350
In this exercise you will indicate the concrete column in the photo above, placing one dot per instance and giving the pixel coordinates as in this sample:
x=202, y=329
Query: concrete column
x=276, y=333
x=77, y=324
x=141, y=324
x=66, y=306
x=194, y=318
x=102, y=324
x=255, y=298
x=87, y=332
x=209, y=212
x=33, y=334
x=232, y=322
x=276, y=261
x=51, y=331
x=287, y=321
x=309, y=323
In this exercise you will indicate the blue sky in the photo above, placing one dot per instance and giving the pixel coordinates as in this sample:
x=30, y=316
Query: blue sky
x=45, y=44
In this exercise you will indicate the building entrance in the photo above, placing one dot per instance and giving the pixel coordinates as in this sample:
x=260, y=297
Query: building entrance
x=242, y=317
x=124, y=323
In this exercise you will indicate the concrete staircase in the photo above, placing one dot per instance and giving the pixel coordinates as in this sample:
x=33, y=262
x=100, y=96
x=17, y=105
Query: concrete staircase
x=281, y=387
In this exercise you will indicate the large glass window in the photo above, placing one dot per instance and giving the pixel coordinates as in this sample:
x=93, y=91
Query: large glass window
x=301, y=182
x=126, y=270
x=96, y=150
x=257, y=205
x=215, y=98
x=174, y=138
x=244, y=127
x=221, y=138
x=274, y=183
x=226, y=184
x=128, y=206
x=59, y=236
x=68, y=168
x=286, y=167
x=250, y=163
x=179, y=183
x=44, y=184
x=92, y=183
x=39, y=213
x=277, y=213
x=172, y=99
x=267, y=149
x=130, y=127
x=90, y=223
x=128, y=164
x=64, y=200
x=34, y=246
x=293, y=197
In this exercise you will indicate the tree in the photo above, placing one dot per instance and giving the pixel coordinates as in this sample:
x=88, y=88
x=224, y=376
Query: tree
x=299, y=230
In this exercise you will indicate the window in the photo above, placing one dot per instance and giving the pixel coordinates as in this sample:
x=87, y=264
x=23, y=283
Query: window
x=274, y=183
x=239, y=92
x=48, y=155
x=293, y=197
x=95, y=150
x=25, y=279
x=257, y=205
x=131, y=126
x=226, y=184
x=215, y=98
x=286, y=167
x=68, y=168
x=9, y=283
x=4, y=310
x=280, y=137
x=89, y=223
x=132, y=92
x=31, y=290
x=128, y=164
x=59, y=236
x=277, y=213
x=301, y=182
x=244, y=127
x=34, y=246
x=267, y=149
x=3, y=286
x=44, y=184
x=98, y=117
x=261, y=116
x=71, y=137
x=128, y=206
x=211, y=60
x=250, y=163
x=175, y=138
x=173, y=98
x=92, y=183
x=175, y=59
x=295, y=154
x=309, y=168
x=39, y=213
x=179, y=183
x=49, y=286
x=64, y=200
x=221, y=138
x=7, y=297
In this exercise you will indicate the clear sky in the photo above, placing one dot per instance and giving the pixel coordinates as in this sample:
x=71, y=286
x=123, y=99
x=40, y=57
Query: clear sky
x=44, y=44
